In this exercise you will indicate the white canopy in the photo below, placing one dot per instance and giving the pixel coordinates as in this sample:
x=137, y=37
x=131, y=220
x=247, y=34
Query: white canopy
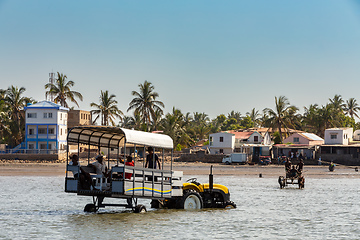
x=115, y=137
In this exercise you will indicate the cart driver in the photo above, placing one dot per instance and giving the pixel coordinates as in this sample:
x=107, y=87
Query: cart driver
x=300, y=166
x=287, y=165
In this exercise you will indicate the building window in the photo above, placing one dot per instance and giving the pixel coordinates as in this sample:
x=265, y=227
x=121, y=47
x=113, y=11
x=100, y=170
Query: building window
x=31, y=146
x=43, y=146
x=31, y=115
x=45, y=115
x=296, y=139
x=221, y=139
x=256, y=138
x=51, y=131
x=31, y=131
x=333, y=136
x=49, y=115
x=42, y=131
x=60, y=116
x=221, y=150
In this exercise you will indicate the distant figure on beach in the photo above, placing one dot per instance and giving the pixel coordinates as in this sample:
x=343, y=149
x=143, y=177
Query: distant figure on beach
x=319, y=161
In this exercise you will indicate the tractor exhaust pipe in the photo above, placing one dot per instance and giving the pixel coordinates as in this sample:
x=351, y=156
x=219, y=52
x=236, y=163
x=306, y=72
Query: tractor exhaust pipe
x=211, y=179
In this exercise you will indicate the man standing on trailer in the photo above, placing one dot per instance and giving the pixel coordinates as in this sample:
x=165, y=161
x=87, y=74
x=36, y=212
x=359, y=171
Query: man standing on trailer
x=152, y=160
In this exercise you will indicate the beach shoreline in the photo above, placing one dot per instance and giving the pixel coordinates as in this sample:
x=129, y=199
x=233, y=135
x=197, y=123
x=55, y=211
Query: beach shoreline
x=13, y=168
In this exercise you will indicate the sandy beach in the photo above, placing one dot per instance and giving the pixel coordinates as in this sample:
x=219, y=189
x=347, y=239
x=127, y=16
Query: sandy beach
x=13, y=168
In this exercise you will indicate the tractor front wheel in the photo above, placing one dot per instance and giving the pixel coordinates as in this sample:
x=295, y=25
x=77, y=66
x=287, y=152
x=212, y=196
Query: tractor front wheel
x=229, y=205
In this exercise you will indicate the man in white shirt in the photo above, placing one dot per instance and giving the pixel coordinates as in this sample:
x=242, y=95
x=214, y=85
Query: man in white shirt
x=100, y=166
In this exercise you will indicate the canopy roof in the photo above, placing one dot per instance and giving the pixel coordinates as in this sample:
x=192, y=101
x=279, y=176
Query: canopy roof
x=115, y=137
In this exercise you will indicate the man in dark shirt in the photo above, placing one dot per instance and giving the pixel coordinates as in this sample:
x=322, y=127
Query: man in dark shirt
x=152, y=160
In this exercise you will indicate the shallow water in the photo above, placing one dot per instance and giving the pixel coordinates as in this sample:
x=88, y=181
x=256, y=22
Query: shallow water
x=38, y=208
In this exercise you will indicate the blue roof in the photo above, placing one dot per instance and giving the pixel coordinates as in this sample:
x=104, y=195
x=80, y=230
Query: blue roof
x=45, y=104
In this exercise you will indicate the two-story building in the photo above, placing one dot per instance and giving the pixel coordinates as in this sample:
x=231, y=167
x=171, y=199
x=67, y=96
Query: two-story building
x=242, y=141
x=45, y=127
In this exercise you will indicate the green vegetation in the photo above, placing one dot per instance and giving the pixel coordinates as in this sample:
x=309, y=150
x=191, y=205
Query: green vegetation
x=184, y=128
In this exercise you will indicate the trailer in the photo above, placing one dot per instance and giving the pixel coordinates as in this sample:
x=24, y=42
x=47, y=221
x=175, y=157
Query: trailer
x=292, y=177
x=235, y=158
x=164, y=187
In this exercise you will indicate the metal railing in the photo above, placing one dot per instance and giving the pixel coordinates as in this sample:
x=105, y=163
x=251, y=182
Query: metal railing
x=32, y=151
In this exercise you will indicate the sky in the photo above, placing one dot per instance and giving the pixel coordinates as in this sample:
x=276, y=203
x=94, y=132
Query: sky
x=200, y=55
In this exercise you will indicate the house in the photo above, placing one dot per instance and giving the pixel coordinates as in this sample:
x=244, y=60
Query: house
x=79, y=118
x=243, y=141
x=221, y=143
x=303, y=144
x=45, y=127
x=340, y=136
x=304, y=139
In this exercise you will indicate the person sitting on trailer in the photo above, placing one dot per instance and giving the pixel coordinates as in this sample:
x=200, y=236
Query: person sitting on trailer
x=152, y=160
x=99, y=166
x=129, y=162
x=81, y=174
x=293, y=172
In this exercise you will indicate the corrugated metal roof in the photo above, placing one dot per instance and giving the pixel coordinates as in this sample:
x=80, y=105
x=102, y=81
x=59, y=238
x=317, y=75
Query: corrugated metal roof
x=312, y=136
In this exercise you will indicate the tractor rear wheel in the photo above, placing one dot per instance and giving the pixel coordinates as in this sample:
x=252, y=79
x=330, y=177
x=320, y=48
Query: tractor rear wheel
x=191, y=200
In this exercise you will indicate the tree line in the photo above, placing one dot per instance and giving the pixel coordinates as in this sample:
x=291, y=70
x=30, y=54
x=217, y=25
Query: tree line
x=146, y=114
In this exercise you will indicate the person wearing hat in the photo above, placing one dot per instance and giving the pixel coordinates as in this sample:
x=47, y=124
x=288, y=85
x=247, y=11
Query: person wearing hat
x=99, y=166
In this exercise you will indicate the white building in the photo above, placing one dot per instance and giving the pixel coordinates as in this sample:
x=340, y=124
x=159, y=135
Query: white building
x=221, y=142
x=45, y=126
x=340, y=136
x=250, y=142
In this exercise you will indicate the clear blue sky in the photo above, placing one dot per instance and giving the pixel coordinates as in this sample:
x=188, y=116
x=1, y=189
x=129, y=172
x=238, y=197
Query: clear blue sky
x=201, y=56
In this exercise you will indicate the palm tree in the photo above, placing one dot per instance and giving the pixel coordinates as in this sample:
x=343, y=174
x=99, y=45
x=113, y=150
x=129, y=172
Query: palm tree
x=145, y=102
x=352, y=107
x=235, y=115
x=254, y=116
x=107, y=109
x=281, y=116
x=338, y=103
x=62, y=91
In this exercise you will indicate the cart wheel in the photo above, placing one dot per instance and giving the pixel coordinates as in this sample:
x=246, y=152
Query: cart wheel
x=281, y=181
x=229, y=205
x=191, y=200
x=227, y=163
x=140, y=209
x=301, y=182
x=90, y=208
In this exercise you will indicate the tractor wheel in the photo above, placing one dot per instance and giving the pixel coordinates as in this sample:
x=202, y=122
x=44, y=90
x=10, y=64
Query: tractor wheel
x=140, y=209
x=90, y=208
x=191, y=200
x=229, y=205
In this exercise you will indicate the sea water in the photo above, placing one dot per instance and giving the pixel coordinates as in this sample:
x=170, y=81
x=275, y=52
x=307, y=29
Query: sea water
x=328, y=208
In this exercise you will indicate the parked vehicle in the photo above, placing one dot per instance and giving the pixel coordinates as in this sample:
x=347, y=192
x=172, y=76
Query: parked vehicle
x=235, y=158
